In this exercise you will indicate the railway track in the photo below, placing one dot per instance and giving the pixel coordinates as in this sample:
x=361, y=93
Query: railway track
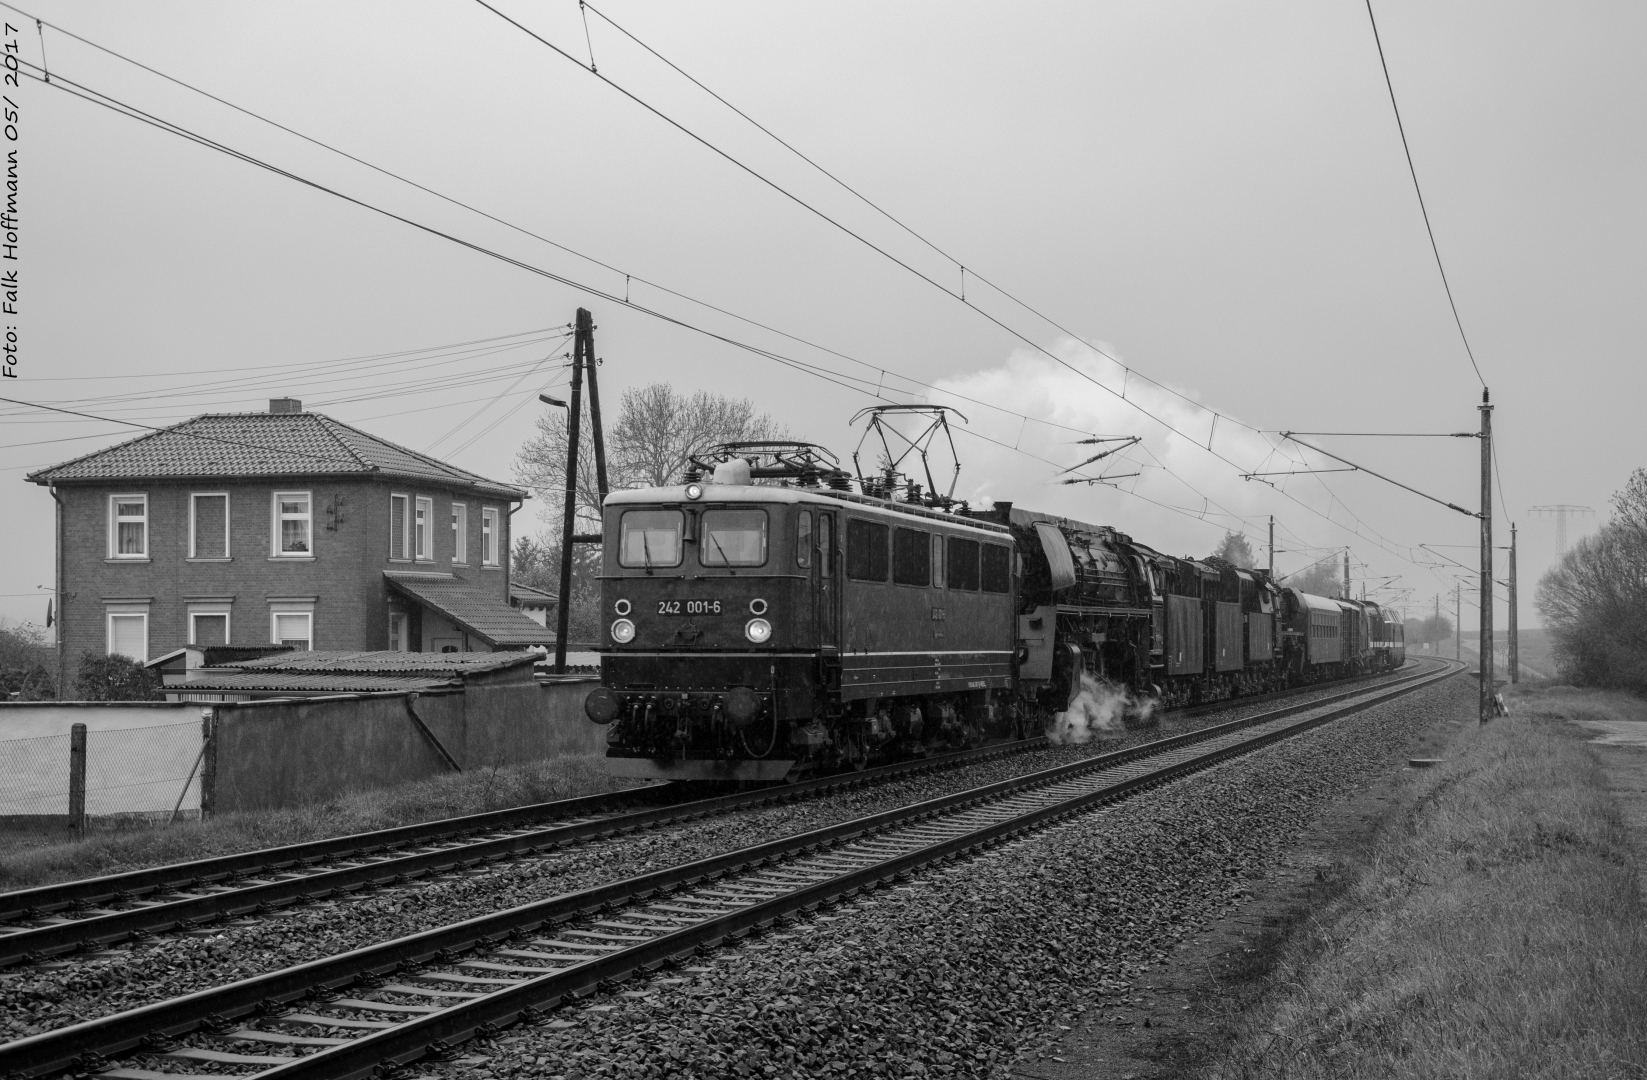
x=372, y=1009
x=76, y=916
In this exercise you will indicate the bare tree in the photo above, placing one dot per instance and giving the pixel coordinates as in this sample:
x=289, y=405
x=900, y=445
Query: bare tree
x=1236, y=550
x=655, y=434
x=1595, y=600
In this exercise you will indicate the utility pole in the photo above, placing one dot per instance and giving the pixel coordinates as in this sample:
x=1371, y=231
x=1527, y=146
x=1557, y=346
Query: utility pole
x=1346, y=593
x=586, y=327
x=1437, y=624
x=574, y=434
x=1272, y=547
x=1515, y=650
x=1487, y=695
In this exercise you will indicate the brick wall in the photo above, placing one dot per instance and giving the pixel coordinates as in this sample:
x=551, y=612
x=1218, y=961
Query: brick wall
x=350, y=548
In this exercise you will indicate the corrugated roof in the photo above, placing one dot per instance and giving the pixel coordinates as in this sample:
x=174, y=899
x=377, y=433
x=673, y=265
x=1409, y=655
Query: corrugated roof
x=487, y=617
x=443, y=665
x=229, y=445
x=314, y=682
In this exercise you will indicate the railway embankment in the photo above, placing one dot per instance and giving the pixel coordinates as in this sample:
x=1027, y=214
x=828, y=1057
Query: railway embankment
x=979, y=967
x=32, y=856
x=1481, y=918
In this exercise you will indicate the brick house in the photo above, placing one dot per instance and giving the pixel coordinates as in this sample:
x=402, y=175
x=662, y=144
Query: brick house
x=285, y=527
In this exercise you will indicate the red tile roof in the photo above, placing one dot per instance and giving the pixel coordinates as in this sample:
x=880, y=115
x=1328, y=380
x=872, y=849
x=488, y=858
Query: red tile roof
x=228, y=445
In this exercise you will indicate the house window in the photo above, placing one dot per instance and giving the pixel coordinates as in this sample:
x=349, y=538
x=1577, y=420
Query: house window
x=128, y=526
x=460, y=533
x=424, y=528
x=129, y=634
x=209, y=525
x=397, y=631
x=294, y=628
x=400, y=526
x=489, y=528
x=294, y=523
x=209, y=628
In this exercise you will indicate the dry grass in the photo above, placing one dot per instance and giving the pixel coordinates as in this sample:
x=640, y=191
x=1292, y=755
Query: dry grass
x=34, y=857
x=1495, y=930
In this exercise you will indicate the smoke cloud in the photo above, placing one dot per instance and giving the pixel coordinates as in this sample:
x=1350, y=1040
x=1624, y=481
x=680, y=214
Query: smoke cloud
x=1100, y=707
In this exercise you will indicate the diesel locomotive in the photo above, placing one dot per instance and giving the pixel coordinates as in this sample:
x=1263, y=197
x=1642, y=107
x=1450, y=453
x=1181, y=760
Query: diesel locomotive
x=764, y=620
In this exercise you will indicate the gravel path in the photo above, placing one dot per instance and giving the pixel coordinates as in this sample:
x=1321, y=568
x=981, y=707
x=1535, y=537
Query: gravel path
x=974, y=967
x=50, y=995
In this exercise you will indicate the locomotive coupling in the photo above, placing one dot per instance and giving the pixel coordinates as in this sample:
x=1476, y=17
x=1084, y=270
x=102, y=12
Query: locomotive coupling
x=740, y=705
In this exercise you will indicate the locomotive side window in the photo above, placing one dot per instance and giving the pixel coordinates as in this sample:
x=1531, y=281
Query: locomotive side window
x=803, y=539
x=937, y=561
x=997, y=570
x=963, y=564
x=866, y=556
x=733, y=538
x=911, y=558
x=650, y=538
x=827, y=567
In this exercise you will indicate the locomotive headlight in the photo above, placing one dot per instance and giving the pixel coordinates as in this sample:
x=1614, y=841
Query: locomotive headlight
x=758, y=630
x=694, y=491
x=623, y=631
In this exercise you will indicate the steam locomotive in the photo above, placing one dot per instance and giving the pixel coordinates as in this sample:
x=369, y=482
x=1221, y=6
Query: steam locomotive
x=762, y=631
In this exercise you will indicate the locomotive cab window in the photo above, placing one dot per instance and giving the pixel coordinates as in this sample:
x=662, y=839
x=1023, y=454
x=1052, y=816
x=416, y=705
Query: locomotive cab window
x=911, y=558
x=803, y=539
x=866, y=555
x=650, y=538
x=997, y=569
x=733, y=538
x=963, y=564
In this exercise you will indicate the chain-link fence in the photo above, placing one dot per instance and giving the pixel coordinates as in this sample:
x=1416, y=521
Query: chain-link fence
x=129, y=772
x=34, y=776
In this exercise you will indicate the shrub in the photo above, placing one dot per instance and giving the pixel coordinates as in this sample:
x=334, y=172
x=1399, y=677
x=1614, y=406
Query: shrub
x=115, y=678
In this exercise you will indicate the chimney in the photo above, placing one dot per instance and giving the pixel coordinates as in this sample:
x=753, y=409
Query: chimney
x=285, y=405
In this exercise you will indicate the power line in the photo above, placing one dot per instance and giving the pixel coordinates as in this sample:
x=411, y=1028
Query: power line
x=837, y=378
x=1126, y=371
x=1411, y=168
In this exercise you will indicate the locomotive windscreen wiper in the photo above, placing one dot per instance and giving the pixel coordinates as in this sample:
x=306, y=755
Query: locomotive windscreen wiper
x=724, y=560
x=646, y=551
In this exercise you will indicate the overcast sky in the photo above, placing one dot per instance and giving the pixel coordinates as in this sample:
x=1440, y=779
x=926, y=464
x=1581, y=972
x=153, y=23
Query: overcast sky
x=1215, y=194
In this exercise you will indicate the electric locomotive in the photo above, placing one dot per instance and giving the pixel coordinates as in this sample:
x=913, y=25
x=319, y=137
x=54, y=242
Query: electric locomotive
x=756, y=631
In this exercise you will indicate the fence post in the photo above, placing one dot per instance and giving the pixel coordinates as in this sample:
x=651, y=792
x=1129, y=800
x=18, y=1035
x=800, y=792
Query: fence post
x=77, y=779
x=208, y=767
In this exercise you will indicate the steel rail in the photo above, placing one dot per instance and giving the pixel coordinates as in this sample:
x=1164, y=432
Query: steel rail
x=308, y=882
x=85, y=1046
x=172, y=877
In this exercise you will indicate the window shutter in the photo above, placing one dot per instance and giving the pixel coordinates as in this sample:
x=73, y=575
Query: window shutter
x=126, y=636
x=397, y=526
x=209, y=514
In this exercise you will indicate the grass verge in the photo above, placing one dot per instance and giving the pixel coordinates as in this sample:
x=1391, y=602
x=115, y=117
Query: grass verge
x=1494, y=929
x=36, y=857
